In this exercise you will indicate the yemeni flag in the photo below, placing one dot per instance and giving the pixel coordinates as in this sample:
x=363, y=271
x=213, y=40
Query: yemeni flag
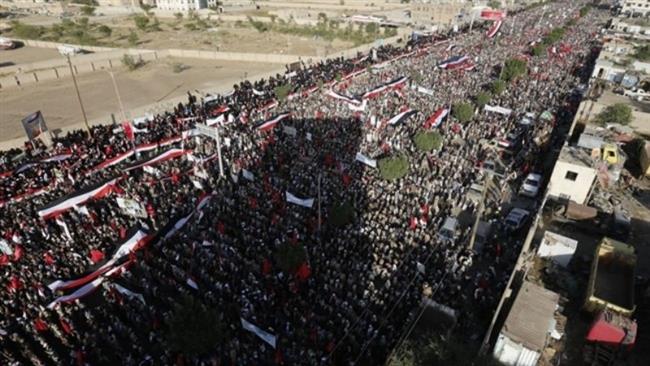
x=395, y=83
x=453, y=62
x=402, y=117
x=57, y=158
x=112, y=161
x=345, y=98
x=158, y=158
x=270, y=123
x=494, y=29
x=128, y=131
x=95, y=191
x=135, y=239
x=436, y=119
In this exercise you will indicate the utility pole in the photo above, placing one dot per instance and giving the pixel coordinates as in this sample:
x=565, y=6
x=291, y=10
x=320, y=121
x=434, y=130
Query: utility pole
x=319, y=211
x=117, y=94
x=471, y=23
x=76, y=88
x=481, y=208
x=219, y=150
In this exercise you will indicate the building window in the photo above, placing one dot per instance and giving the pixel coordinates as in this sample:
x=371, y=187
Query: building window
x=572, y=176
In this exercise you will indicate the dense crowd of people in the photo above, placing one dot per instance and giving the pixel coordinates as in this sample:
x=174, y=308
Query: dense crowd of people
x=215, y=239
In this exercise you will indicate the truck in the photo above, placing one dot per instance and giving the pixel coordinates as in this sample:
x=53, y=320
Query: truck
x=610, y=300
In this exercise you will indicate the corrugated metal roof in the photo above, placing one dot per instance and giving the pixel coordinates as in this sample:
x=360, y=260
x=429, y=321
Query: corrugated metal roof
x=531, y=316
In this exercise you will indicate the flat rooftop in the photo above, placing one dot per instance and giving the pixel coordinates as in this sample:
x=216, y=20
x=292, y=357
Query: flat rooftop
x=531, y=316
x=576, y=156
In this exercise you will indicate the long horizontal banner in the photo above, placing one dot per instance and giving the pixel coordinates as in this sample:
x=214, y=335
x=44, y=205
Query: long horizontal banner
x=345, y=98
x=159, y=158
x=497, y=109
x=304, y=202
x=396, y=83
x=136, y=239
x=265, y=336
x=453, y=62
x=270, y=123
x=494, y=29
x=80, y=197
x=401, y=117
x=436, y=119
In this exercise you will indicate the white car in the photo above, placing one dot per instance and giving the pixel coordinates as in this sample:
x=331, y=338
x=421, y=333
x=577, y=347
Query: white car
x=530, y=186
x=516, y=218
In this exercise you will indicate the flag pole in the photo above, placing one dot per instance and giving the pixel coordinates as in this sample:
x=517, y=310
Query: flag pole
x=76, y=88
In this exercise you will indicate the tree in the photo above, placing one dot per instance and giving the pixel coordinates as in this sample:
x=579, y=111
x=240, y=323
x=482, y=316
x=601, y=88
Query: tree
x=584, y=10
x=88, y=10
x=617, y=113
x=642, y=53
x=105, y=30
x=494, y=4
x=482, y=99
x=290, y=256
x=193, y=328
x=282, y=91
x=371, y=28
x=178, y=16
x=393, y=168
x=133, y=38
x=26, y=31
x=463, y=112
x=512, y=69
x=498, y=87
x=131, y=62
x=141, y=22
x=427, y=141
x=538, y=50
x=341, y=214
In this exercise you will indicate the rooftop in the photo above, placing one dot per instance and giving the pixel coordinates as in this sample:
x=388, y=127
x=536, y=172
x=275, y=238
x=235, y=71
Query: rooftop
x=532, y=316
x=576, y=156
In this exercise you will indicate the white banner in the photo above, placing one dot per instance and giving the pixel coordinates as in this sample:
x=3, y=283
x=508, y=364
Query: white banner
x=131, y=207
x=366, y=160
x=248, y=175
x=290, y=130
x=307, y=202
x=5, y=247
x=424, y=90
x=265, y=336
x=497, y=109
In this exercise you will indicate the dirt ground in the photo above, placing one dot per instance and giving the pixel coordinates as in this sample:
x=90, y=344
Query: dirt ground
x=153, y=87
x=25, y=55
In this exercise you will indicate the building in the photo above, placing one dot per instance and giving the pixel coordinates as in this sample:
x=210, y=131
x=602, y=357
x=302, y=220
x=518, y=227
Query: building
x=181, y=6
x=119, y=3
x=636, y=8
x=437, y=13
x=525, y=333
x=573, y=175
x=634, y=27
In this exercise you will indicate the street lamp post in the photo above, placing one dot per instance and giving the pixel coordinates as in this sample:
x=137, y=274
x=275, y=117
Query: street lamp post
x=76, y=88
x=117, y=94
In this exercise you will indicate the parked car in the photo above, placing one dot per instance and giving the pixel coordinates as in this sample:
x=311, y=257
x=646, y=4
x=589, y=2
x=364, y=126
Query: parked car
x=530, y=186
x=7, y=44
x=448, y=230
x=516, y=219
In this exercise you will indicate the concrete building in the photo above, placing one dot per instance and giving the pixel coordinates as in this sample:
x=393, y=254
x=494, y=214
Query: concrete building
x=526, y=331
x=634, y=27
x=636, y=8
x=573, y=175
x=181, y=6
x=437, y=13
x=118, y=3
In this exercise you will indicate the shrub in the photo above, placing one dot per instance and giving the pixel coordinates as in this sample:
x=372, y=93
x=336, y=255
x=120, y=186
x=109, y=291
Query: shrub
x=289, y=257
x=538, y=50
x=617, y=113
x=642, y=53
x=463, y=112
x=393, y=168
x=88, y=10
x=427, y=141
x=178, y=16
x=494, y=4
x=585, y=10
x=498, y=87
x=513, y=69
x=27, y=31
x=133, y=38
x=131, y=62
x=482, y=99
x=178, y=67
x=341, y=214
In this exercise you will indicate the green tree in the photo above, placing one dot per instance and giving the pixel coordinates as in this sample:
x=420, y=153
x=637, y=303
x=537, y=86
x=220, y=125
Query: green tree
x=341, y=214
x=393, y=168
x=642, y=53
x=133, y=38
x=494, y=4
x=498, y=87
x=141, y=22
x=371, y=28
x=104, y=30
x=27, y=31
x=282, y=91
x=617, y=113
x=512, y=69
x=131, y=62
x=463, y=112
x=427, y=141
x=585, y=10
x=88, y=10
x=290, y=256
x=482, y=99
x=538, y=50
x=193, y=328
x=178, y=16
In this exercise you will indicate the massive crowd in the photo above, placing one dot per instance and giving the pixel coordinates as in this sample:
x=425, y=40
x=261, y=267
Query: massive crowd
x=215, y=238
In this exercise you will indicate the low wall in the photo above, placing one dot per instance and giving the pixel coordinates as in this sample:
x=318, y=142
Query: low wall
x=236, y=56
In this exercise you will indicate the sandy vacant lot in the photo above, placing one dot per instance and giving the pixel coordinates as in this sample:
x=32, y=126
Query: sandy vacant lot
x=26, y=54
x=153, y=87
